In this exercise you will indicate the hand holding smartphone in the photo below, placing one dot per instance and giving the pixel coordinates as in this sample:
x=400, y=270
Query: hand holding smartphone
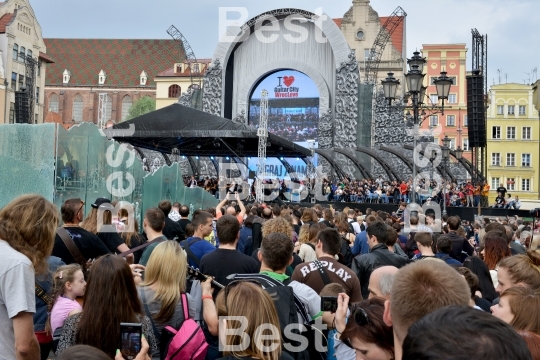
x=130, y=340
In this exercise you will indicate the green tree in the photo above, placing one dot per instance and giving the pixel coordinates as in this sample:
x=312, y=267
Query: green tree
x=141, y=107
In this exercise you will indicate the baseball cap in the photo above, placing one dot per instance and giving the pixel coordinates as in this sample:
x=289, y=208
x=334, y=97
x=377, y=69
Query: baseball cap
x=99, y=202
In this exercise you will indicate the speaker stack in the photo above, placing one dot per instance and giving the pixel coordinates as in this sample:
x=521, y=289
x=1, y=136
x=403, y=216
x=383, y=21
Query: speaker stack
x=22, y=110
x=475, y=110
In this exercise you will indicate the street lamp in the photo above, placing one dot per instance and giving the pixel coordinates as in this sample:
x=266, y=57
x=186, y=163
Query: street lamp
x=417, y=93
x=445, y=156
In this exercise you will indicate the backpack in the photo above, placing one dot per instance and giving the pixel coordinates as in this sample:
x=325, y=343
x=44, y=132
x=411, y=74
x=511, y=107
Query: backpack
x=345, y=254
x=188, y=342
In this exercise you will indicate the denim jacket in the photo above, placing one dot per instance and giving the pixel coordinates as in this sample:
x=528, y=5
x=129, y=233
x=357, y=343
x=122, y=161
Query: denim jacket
x=45, y=281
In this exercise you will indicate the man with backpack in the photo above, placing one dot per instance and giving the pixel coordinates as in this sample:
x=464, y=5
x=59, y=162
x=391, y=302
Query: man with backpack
x=326, y=269
x=275, y=254
x=196, y=247
x=379, y=255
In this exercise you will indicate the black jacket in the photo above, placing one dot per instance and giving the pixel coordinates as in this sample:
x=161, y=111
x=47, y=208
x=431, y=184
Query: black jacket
x=461, y=248
x=363, y=265
x=173, y=230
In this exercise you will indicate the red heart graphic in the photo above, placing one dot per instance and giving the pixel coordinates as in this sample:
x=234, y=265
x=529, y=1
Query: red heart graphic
x=288, y=80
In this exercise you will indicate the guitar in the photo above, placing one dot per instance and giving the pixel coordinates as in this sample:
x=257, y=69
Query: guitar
x=197, y=275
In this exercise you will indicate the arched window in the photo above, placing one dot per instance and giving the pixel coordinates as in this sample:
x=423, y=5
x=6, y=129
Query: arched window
x=29, y=53
x=53, y=103
x=108, y=108
x=22, y=53
x=15, y=51
x=126, y=105
x=174, y=91
x=78, y=108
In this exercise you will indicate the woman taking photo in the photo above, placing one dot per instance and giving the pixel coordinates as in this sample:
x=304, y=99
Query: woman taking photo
x=363, y=331
x=161, y=291
x=110, y=299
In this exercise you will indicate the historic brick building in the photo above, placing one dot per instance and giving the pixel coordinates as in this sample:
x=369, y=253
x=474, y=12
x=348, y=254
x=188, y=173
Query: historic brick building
x=122, y=69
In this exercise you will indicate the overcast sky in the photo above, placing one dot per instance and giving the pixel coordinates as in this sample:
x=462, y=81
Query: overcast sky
x=511, y=25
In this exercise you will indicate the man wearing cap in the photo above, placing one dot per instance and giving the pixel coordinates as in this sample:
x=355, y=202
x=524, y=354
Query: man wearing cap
x=89, y=244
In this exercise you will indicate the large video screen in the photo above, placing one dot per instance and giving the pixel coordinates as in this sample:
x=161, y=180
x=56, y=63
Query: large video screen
x=293, y=105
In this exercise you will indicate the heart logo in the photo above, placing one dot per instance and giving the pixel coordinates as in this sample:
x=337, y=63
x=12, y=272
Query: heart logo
x=288, y=80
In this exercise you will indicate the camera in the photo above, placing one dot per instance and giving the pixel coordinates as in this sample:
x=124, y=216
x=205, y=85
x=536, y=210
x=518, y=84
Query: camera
x=329, y=303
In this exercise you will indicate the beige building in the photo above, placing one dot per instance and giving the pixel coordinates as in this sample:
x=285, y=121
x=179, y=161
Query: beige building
x=173, y=82
x=20, y=37
x=360, y=26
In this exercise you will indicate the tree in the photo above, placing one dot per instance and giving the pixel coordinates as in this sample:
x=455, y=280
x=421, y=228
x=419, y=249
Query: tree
x=141, y=107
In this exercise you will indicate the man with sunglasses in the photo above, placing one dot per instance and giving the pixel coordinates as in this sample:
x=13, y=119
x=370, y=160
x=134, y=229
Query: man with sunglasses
x=89, y=244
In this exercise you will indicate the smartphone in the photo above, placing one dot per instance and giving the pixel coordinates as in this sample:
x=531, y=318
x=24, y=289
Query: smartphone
x=329, y=303
x=131, y=340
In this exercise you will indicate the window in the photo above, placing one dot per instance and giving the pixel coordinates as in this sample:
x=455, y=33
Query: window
x=39, y=68
x=433, y=120
x=77, y=108
x=510, y=184
x=29, y=53
x=21, y=81
x=466, y=144
x=496, y=132
x=452, y=98
x=526, y=134
x=511, y=109
x=108, y=108
x=511, y=132
x=495, y=183
x=126, y=105
x=465, y=121
x=510, y=159
x=15, y=51
x=12, y=113
x=525, y=185
x=452, y=144
x=500, y=109
x=14, y=81
x=496, y=159
x=37, y=94
x=434, y=99
x=22, y=53
x=521, y=109
x=526, y=160
x=196, y=68
x=366, y=54
x=450, y=120
x=53, y=103
x=174, y=91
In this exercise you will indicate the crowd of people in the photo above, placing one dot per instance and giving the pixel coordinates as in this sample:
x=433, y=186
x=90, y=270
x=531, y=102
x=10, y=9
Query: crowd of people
x=300, y=283
x=296, y=128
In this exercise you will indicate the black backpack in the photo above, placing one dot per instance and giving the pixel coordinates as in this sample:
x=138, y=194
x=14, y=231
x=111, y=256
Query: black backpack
x=288, y=305
x=345, y=254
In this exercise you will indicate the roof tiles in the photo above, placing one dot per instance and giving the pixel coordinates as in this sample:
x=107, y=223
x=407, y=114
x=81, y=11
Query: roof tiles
x=4, y=21
x=122, y=60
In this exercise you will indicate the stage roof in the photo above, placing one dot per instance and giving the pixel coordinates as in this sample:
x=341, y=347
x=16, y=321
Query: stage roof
x=197, y=133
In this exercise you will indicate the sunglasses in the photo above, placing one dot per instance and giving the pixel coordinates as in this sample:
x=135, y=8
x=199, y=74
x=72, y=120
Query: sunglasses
x=233, y=284
x=80, y=207
x=361, y=318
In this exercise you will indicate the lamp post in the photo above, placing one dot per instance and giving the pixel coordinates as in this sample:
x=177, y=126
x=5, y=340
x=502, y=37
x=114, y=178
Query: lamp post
x=417, y=93
x=445, y=155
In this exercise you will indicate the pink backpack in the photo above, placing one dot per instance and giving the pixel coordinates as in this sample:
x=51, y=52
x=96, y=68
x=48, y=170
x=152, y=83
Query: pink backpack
x=188, y=342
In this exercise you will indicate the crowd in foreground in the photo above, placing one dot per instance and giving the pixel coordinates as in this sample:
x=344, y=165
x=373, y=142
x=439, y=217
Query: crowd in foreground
x=373, y=286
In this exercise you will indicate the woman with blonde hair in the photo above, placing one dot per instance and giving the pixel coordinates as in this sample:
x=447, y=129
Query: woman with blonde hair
x=104, y=228
x=163, y=286
x=27, y=230
x=249, y=300
x=519, y=270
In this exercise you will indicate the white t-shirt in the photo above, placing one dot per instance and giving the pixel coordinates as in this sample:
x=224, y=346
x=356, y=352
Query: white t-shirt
x=308, y=296
x=17, y=294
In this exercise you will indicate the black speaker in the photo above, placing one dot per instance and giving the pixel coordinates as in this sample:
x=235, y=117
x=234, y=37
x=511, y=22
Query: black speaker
x=22, y=110
x=475, y=111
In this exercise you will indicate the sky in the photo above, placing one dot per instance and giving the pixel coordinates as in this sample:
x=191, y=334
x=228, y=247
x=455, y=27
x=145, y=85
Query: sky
x=511, y=25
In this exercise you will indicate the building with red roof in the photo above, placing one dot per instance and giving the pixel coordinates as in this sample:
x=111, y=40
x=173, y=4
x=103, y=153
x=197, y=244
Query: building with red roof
x=20, y=37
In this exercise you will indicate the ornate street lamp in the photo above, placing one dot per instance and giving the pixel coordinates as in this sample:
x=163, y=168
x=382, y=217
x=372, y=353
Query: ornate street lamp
x=459, y=153
x=390, y=85
x=414, y=80
x=422, y=96
x=443, y=84
x=445, y=156
x=417, y=60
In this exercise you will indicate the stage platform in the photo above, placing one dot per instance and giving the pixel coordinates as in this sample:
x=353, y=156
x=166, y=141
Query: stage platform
x=465, y=213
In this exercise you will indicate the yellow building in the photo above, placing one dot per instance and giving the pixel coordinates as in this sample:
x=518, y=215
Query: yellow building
x=173, y=82
x=513, y=146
